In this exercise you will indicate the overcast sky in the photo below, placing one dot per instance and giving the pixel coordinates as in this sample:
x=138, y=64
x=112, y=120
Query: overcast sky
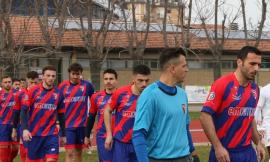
x=231, y=7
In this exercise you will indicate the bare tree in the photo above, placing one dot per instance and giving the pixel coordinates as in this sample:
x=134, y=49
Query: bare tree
x=95, y=39
x=261, y=23
x=137, y=38
x=216, y=37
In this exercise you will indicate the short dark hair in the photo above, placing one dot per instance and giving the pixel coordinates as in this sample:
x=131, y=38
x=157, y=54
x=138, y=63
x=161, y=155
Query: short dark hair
x=32, y=75
x=247, y=49
x=22, y=79
x=15, y=80
x=111, y=71
x=48, y=67
x=75, y=67
x=5, y=76
x=170, y=54
x=141, y=69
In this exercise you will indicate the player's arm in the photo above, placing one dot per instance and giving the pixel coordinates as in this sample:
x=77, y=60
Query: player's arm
x=16, y=116
x=107, y=122
x=257, y=141
x=61, y=114
x=24, y=116
x=210, y=107
x=210, y=131
x=24, y=123
x=90, y=120
x=145, y=112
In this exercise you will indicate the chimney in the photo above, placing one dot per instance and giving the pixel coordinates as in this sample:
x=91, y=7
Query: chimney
x=234, y=26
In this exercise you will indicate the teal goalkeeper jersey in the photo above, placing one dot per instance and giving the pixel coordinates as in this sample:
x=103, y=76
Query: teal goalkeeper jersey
x=165, y=118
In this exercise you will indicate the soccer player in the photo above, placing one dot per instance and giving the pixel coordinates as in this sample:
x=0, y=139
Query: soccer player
x=16, y=84
x=162, y=118
x=76, y=98
x=262, y=115
x=39, y=120
x=23, y=83
x=227, y=116
x=8, y=104
x=123, y=102
x=98, y=101
x=32, y=79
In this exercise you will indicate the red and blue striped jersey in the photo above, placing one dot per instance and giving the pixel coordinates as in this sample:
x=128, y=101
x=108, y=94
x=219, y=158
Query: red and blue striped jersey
x=45, y=104
x=76, y=99
x=123, y=102
x=232, y=107
x=98, y=102
x=23, y=102
x=8, y=103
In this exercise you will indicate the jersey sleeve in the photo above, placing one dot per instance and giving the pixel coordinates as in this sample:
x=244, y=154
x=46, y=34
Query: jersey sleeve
x=61, y=106
x=187, y=115
x=214, y=98
x=145, y=112
x=260, y=106
x=93, y=108
x=90, y=89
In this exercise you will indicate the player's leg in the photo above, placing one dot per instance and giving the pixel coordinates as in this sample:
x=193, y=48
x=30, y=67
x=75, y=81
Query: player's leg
x=5, y=143
x=70, y=145
x=23, y=153
x=212, y=156
x=52, y=148
x=120, y=150
x=245, y=154
x=35, y=149
x=14, y=149
x=5, y=152
x=80, y=134
x=103, y=154
x=131, y=153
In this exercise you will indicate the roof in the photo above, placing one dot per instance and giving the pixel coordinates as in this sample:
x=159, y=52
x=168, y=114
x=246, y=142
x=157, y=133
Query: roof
x=26, y=31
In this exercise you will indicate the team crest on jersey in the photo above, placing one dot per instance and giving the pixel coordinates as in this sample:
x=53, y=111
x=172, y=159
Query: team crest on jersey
x=254, y=93
x=237, y=97
x=82, y=88
x=184, y=108
x=211, y=96
x=55, y=96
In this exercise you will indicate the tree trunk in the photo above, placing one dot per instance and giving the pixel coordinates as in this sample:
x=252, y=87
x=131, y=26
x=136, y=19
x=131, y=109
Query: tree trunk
x=95, y=69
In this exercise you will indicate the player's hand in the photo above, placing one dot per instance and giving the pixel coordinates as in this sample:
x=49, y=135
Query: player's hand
x=260, y=152
x=87, y=142
x=108, y=142
x=14, y=134
x=222, y=154
x=26, y=135
x=195, y=158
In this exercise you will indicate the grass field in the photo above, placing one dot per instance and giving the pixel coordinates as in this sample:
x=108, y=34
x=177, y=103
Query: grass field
x=202, y=150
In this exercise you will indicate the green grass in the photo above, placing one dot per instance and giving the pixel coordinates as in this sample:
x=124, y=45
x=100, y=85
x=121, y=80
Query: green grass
x=203, y=152
x=194, y=115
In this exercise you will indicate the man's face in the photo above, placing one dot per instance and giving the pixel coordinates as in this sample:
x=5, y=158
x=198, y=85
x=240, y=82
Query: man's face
x=7, y=83
x=180, y=69
x=250, y=66
x=23, y=84
x=141, y=81
x=49, y=77
x=31, y=82
x=110, y=81
x=16, y=85
x=74, y=76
